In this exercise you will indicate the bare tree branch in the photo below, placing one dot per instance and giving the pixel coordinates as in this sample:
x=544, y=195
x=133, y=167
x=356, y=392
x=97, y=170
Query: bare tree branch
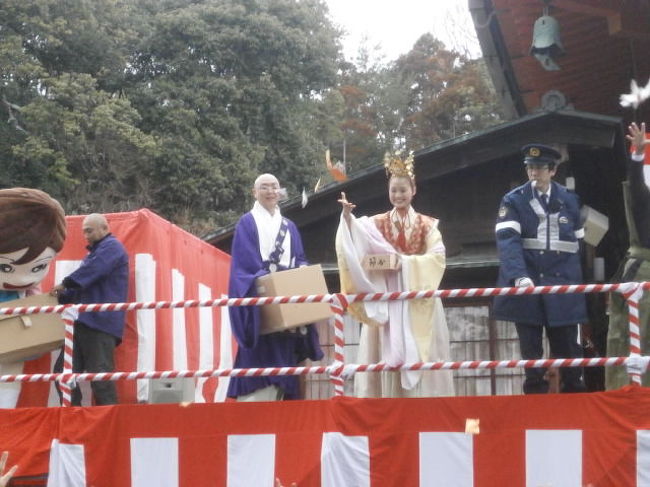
x=10, y=110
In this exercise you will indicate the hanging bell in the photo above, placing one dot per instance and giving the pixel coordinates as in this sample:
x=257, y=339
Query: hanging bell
x=546, y=42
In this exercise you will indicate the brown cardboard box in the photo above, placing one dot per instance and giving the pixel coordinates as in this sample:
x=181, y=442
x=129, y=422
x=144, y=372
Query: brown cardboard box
x=292, y=282
x=595, y=224
x=28, y=336
x=380, y=262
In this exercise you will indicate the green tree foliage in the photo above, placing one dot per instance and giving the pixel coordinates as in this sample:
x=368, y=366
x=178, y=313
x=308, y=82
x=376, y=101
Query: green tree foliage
x=233, y=89
x=426, y=95
x=71, y=137
x=84, y=144
x=178, y=104
x=172, y=104
x=448, y=94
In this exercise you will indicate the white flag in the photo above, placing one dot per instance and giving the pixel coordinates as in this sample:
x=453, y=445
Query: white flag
x=304, y=198
x=636, y=96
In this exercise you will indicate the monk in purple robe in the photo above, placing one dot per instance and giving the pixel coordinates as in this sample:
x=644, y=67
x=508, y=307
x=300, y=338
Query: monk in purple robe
x=266, y=242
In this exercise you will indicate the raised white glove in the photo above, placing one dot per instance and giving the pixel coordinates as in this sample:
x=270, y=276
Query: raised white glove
x=524, y=282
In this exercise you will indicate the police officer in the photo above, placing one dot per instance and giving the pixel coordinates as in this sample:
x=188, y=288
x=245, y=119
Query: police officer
x=538, y=231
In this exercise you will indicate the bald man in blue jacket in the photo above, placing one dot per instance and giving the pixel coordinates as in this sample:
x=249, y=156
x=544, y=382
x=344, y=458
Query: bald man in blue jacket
x=103, y=277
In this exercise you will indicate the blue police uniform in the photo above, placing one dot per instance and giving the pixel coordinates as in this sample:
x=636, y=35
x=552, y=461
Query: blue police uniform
x=539, y=240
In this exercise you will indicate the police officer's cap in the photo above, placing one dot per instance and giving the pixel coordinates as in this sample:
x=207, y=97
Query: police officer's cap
x=540, y=155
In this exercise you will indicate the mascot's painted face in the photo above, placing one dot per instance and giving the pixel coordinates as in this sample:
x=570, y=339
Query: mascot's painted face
x=32, y=231
x=21, y=277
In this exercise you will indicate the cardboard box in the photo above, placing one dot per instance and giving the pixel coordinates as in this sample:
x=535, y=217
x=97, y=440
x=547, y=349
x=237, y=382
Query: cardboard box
x=380, y=262
x=595, y=224
x=29, y=336
x=292, y=282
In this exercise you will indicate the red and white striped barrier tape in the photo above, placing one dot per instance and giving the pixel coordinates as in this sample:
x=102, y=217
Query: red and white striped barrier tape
x=339, y=306
x=320, y=298
x=168, y=374
x=67, y=383
x=338, y=371
x=641, y=362
x=633, y=298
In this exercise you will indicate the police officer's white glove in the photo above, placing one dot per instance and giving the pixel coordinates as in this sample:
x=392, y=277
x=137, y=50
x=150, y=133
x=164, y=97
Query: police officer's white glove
x=524, y=282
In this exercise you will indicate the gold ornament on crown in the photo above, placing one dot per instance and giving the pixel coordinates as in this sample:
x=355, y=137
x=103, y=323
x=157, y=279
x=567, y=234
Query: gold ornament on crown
x=397, y=167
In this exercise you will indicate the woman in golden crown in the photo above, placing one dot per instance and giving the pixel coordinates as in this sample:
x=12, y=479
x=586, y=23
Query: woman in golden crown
x=396, y=332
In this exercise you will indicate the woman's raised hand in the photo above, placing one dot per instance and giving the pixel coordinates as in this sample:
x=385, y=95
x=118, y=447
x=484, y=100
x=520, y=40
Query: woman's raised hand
x=347, y=206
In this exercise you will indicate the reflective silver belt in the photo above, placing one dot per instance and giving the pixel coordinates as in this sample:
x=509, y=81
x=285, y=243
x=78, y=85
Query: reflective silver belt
x=559, y=245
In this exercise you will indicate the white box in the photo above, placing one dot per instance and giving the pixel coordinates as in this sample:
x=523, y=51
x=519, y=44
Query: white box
x=380, y=262
x=595, y=224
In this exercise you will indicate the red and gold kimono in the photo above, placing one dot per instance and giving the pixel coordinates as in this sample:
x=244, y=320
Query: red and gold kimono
x=397, y=332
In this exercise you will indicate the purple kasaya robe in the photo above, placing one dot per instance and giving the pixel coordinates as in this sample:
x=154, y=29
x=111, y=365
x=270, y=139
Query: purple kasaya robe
x=284, y=349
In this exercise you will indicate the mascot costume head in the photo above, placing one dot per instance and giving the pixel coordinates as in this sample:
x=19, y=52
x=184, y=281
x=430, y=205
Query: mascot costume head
x=32, y=232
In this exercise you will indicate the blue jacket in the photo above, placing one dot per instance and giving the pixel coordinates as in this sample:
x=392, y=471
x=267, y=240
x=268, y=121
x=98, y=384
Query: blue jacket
x=544, y=246
x=103, y=277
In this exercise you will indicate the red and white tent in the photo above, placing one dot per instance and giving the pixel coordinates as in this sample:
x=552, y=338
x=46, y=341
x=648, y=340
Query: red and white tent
x=166, y=263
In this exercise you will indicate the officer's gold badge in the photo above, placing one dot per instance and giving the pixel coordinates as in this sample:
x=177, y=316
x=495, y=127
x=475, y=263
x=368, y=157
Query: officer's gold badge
x=503, y=211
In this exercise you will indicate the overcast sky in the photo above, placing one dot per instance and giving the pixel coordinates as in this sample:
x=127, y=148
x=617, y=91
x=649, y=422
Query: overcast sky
x=395, y=25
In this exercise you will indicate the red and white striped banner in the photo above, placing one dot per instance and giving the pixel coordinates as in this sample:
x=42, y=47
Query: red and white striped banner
x=574, y=440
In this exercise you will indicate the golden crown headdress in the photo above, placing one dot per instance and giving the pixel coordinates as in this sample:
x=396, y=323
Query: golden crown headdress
x=398, y=167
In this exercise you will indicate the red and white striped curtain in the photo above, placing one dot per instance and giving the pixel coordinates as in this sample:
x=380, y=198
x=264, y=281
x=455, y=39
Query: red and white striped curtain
x=568, y=440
